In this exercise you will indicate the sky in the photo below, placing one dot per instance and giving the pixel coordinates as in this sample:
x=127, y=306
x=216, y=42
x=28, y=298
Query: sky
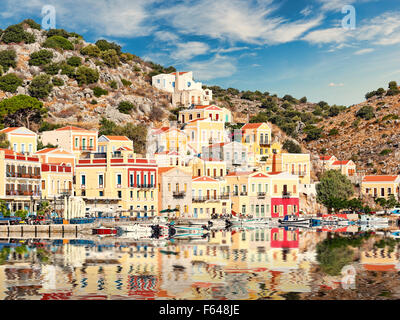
x=311, y=48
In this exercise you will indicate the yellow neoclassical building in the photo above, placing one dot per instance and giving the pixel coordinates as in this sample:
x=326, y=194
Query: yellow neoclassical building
x=73, y=139
x=298, y=164
x=257, y=136
x=118, y=182
x=250, y=193
x=209, y=167
x=211, y=112
x=166, y=139
x=203, y=132
x=380, y=186
x=21, y=139
x=209, y=198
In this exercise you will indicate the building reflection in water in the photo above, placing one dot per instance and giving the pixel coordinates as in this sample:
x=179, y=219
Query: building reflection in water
x=252, y=264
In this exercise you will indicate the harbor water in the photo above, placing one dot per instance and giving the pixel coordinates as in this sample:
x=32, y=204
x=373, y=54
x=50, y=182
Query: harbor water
x=261, y=263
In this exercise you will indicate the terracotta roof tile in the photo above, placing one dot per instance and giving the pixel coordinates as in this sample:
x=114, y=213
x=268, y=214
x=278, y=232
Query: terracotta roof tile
x=251, y=126
x=379, y=178
x=117, y=138
x=340, y=163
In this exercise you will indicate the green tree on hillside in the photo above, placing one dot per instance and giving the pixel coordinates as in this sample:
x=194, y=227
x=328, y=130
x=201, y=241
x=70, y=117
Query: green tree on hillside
x=8, y=58
x=10, y=82
x=365, y=112
x=40, y=86
x=21, y=111
x=85, y=75
x=40, y=58
x=291, y=146
x=16, y=34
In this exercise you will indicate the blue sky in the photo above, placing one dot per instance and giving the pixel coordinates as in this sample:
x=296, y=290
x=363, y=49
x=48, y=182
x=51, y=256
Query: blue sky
x=296, y=47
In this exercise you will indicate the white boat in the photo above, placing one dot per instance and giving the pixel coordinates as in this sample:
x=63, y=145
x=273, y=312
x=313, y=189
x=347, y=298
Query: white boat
x=293, y=220
x=137, y=228
x=251, y=222
x=371, y=220
x=146, y=231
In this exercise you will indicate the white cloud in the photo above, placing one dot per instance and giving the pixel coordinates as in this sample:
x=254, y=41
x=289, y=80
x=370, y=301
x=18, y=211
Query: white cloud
x=382, y=30
x=216, y=67
x=235, y=20
x=117, y=18
x=166, y=36
x=364, y=51
x=187, y=50
x=228, y=50
x=332, y=84
x=306, y=11
x=330, y=35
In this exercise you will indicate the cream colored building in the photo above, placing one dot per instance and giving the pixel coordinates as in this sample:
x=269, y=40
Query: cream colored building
x=346, y=167
x=203, y=132
x=298, y=164
x=174, y=191
x=212, y=112
x=166, y=139
x=56, y=181
x=72, y=139
x=234, y=154
x=185, y=91
x=21, y=139
x=208, y=167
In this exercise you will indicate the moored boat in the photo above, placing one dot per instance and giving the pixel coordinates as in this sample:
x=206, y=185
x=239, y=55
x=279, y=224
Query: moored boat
x=293, y=220
x=104, y=231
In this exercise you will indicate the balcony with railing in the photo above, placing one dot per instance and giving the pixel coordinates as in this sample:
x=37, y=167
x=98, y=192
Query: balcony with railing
x=65, y=192
x=86, y=148
x=243, y=193
x=286, y=194
x=261, y=195
x=299, y=173
x=264, y=143
x=145, y=186
x=23, y=175
x=224, y=196
x=178, y=194
x=199, y=199
x=22, y=193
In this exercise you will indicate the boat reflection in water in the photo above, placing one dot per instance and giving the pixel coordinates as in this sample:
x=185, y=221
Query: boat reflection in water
x=240, y=263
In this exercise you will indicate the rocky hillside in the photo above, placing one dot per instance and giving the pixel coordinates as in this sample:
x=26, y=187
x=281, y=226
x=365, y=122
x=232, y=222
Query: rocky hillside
x=123, y=77
x=368, y=133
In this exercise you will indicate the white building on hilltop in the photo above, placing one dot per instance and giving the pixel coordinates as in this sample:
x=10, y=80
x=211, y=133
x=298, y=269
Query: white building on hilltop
x=185, y=91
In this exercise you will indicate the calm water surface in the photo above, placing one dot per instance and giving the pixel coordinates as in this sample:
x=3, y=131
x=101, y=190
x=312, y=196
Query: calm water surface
x=239, y=264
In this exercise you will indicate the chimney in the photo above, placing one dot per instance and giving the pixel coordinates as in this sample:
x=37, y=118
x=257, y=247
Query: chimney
x=274, y=162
